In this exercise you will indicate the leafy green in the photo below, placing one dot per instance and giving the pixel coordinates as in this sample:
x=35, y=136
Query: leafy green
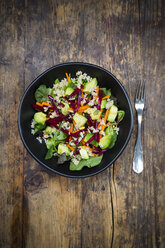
x=41, y=94
x=62, y=158
x=50, y=143
x=91, y=162
x=113, y=139
x=49, y=153
x=106, y=92
x=88, y=136
x=113, y=135
x=72, y=84
x=39, y=127
x=56, y=81
x=120, y=115
x=59, y=135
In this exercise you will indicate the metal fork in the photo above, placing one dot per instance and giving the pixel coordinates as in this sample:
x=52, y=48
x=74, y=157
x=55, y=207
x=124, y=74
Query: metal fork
x=139, y=106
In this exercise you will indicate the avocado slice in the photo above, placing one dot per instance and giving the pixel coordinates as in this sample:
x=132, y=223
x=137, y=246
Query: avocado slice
x=103, y=104
x=62, y=148
x=80, y=120
x=83, y=153
x=69, y=91
x=64, y=110
x=112, y=113
x=40, y=118
x=95, y=114
x=90, y=85
x=105, y=142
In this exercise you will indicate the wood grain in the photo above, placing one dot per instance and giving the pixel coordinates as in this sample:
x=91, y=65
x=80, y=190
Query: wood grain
x=116, y=208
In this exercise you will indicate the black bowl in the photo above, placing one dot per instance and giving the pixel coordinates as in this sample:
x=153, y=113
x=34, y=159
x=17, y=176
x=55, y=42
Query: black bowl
x=26, y=112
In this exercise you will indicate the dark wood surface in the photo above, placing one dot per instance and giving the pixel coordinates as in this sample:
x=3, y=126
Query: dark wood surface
x=116, y=208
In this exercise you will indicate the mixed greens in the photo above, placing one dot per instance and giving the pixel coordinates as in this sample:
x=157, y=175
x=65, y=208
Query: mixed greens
x=77, y=120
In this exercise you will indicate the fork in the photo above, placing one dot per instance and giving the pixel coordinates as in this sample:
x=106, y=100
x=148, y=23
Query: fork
x=139, y=106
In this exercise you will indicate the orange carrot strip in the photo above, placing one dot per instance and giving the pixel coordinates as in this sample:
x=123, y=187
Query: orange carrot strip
x=45, y=133
x=103, y=127
x=45, y=103
x=105, y=97
x=83, y=108
x=70, y=109
x=71, y=148
x=67, y=77
x=97, y=91
x=82, y=93
x=74, y=123
x=108, y=124
x=71, y=128
x=106, y=115
x=99, y=125
x=47, y=118
x=39, y=104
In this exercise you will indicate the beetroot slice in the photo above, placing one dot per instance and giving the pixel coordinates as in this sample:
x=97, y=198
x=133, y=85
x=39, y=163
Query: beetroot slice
x=76, y=151
x=101, y=152
x=90, y=140
x=53, y=104
x=100, y=99
x=38, y=107
x=75, y=92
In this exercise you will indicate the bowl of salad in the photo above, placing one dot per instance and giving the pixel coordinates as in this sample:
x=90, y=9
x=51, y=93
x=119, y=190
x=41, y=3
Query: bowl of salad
x=75, y=119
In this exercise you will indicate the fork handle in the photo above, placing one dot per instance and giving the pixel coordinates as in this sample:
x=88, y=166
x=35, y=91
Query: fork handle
x=138, y=152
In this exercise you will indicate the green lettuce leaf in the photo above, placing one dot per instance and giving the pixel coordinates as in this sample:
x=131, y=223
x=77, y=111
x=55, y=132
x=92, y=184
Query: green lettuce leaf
x=38, y=127
x=113, y=136
x=120, y=115
x=41, y=94
x=106, y=92
x=49, y=153
x=91, y=162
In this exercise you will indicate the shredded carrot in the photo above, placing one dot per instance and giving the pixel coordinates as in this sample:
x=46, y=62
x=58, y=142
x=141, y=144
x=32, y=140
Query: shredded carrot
x=81, y=109
x=105, y=97
x=47, y=118
x=71, y=128
x=70, y=109
x=83, y=142
x=70, y=138
x=46, y=104
x=39, y=104
x=108, y=124
x=70, y=147
x=97, y=91
x=75, y=131
x=82, y=93
x=45, y=133
x=106, y=115
x=74, y=123
x=67, y=77
x=93, y=154
x=103, y=127
x=99, y=125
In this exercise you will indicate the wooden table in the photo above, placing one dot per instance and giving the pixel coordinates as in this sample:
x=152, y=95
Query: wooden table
x=116, y=208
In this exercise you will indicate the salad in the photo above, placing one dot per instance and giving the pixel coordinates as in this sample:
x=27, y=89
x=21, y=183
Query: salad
x=76, y=119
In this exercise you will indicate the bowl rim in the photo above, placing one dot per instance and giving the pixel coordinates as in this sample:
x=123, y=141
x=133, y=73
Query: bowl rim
x=83, y=64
